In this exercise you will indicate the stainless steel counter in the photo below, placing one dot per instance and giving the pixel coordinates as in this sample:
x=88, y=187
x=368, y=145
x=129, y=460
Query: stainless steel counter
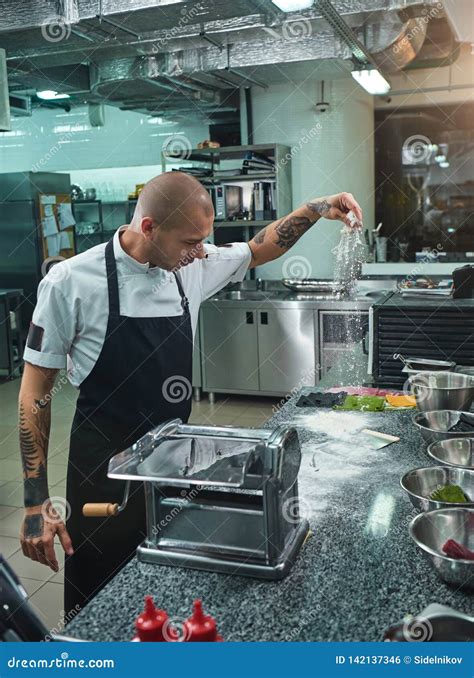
x=275, y=294
x=270, y=341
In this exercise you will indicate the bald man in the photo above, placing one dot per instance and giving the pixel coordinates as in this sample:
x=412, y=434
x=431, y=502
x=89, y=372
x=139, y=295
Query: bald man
x=121, y=317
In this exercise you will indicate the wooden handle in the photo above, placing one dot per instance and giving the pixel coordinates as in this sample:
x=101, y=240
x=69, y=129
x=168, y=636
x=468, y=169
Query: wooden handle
x=99, y=510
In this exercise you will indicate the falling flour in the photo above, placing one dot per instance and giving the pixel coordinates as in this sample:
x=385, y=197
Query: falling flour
x=350, y=253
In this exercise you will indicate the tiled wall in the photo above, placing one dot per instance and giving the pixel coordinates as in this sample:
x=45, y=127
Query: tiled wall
x=59, y=141
x=332, y=152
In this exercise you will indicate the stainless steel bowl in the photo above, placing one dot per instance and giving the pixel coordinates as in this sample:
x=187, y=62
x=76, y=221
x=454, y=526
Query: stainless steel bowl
x=420, y=483
x=442, y=390
x=431, y=530
x=455, y=452
x=435, y=425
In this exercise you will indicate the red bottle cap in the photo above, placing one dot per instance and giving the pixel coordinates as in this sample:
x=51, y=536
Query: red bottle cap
x=200, y=627
x=149, y=623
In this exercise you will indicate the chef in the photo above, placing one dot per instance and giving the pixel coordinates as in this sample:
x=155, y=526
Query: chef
x=121, y=318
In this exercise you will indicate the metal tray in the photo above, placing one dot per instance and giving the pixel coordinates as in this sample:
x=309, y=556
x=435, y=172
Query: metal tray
x=314, y=285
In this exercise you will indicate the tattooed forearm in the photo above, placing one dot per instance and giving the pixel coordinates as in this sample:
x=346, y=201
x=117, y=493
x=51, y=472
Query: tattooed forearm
x=290, y=229
x=36, y=487
x=34, y=433
x=322, y=207
x=260, y=237
x=33, y=526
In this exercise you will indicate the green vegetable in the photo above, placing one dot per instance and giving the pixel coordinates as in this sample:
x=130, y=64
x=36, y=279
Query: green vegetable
x=362, y=403
x=452, y=493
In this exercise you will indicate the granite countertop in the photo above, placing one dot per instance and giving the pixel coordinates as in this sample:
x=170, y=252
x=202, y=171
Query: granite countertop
x=356, y=575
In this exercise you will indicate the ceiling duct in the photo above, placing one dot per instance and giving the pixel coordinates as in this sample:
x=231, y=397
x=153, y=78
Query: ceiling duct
x=152, y=84
x=404, y=49
x=180, y=56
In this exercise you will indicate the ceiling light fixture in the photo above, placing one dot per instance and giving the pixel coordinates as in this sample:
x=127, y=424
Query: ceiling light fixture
x=51, y=95
x=293, y=5
x=371, y=80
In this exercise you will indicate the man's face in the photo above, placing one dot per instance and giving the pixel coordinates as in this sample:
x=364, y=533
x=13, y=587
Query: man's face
x=173, y=248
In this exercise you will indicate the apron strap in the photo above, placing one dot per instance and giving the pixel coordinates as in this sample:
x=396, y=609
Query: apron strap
x=112, y=283
x=184, y=299
x=112, y=280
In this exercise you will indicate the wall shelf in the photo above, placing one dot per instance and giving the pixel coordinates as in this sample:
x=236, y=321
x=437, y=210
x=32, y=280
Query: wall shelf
x=219, y=164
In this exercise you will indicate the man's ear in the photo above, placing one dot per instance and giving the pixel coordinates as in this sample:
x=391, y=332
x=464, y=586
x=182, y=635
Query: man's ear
x=146, y=226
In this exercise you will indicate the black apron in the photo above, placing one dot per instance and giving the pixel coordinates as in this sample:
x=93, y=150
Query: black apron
x=141, y=378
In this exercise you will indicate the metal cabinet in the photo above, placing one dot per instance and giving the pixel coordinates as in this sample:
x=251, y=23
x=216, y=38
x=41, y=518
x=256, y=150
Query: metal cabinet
x=285, y=349
x=264, y=350
x=229, y=349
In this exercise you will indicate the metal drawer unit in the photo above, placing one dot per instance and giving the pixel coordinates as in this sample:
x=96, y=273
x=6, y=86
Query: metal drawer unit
x=436, y=329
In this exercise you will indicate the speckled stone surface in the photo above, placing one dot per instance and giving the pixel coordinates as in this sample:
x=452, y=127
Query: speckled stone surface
x=357, y=574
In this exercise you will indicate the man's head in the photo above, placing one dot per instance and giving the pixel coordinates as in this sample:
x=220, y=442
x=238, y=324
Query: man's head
x=174, y=215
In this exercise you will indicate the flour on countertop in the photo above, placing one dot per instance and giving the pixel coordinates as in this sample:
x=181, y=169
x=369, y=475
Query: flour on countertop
x=334, y=460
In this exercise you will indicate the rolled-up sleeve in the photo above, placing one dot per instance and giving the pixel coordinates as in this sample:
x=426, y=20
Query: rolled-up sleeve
x=225, y=264
x=52, y=328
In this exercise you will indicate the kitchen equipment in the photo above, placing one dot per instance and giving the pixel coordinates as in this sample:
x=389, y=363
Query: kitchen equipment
x=19, y=619
x=217, y=498
x=91, y=194
x=455, y=452
x=431, y=530
x=76, y=192
x=20, y=232
x=442, y=391
x=314, y=285
x=429, y=329
x=437, y=425
x=405, y=361
x=436, y=623
x=463, y=282
x=381, y=249
x=424, y=365
x=463, y=369
x=227, y=200
x=342, y=345
x=420, y=483
x=425, y=293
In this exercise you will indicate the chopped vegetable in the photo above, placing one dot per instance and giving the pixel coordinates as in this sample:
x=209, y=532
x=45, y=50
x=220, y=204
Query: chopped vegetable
x=451, y=493
x=455, y=550
x=362, y=403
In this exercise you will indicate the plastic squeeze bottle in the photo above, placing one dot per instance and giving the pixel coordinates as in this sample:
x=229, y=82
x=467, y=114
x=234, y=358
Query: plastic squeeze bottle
x=200, y=627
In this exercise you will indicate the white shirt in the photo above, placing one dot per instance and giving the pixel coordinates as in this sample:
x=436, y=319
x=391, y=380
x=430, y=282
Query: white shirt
x=71, y=313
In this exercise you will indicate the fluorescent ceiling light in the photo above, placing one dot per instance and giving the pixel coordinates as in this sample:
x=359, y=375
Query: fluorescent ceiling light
x=293, y=5
x=51, y=95
x=371, y=80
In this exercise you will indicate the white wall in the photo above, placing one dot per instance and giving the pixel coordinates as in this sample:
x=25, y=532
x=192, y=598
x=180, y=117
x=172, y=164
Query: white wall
x=339, y=156
x=53, y=140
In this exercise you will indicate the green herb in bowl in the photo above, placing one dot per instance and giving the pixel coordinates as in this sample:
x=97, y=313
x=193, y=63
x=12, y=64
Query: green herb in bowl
x=450, y=493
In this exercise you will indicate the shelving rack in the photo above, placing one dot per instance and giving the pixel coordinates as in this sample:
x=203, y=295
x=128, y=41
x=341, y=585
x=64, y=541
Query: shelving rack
x=108, y=215
x=214, y=159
